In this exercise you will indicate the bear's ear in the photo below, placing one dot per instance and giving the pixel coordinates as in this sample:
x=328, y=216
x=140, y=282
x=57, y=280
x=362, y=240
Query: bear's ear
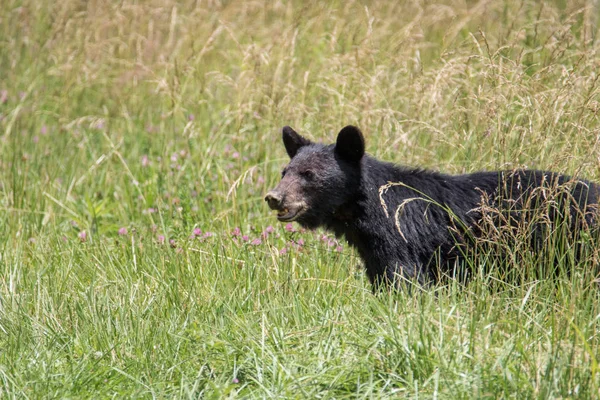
x=293, y=141
x=350, y=144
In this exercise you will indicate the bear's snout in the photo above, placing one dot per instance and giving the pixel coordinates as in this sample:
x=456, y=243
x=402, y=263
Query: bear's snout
x=274, y=200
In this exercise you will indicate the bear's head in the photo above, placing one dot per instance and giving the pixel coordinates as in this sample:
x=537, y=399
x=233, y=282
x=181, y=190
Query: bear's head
x=320, y=179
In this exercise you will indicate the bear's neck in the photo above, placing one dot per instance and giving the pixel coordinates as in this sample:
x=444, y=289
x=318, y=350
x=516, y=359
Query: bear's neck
x=363, y=221
x=368, y=202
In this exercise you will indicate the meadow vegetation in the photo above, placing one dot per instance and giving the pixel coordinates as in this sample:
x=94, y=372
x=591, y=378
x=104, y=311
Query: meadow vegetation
x=137, y=139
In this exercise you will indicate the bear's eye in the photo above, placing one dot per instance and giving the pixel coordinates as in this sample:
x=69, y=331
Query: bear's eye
x=283, y=171
x=309, y=175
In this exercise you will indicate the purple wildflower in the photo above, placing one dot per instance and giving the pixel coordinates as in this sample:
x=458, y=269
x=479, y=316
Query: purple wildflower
x=161, y=239
x=122, y=231
x=289, y=227
x=83, y=236
x=197, y=232
x=236, y=232
x=256, y=242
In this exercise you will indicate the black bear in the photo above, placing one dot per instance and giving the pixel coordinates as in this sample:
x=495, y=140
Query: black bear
x=412, y=224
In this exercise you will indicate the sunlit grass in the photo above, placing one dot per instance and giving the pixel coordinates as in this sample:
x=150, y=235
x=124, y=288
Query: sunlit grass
x=138, y=139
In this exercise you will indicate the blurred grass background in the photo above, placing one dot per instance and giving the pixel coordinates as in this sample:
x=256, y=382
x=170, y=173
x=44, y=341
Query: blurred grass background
x=137, y=141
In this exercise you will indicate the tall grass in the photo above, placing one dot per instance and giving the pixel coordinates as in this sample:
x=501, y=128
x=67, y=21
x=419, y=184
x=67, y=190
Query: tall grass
x=137, y=140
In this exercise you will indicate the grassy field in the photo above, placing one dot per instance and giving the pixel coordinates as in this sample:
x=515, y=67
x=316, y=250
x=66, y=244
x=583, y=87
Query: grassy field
x=137, y=139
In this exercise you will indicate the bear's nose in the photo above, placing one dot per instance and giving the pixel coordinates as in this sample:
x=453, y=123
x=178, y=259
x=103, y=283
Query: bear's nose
x=274, y=199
